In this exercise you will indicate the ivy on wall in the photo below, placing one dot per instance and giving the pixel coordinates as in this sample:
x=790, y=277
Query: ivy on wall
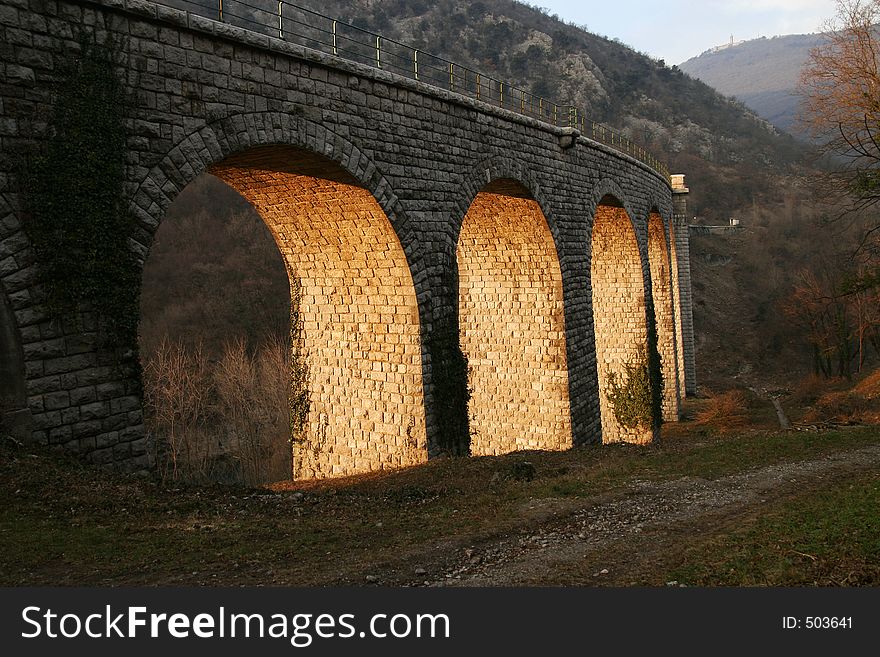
x=635, y=394
x=74, y=189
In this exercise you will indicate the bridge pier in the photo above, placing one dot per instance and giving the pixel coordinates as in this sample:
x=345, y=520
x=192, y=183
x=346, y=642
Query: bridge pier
x=684, y=294
x=659, y=259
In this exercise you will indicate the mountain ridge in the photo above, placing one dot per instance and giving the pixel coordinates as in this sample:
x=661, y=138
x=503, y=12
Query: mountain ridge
x=761, y=73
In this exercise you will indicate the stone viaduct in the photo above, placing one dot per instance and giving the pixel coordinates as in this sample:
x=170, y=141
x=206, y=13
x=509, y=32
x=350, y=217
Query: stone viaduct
x=426, y=228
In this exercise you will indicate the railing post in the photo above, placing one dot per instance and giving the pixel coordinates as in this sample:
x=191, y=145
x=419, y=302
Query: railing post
x=478, y=86
x=555, y=114
x=416, y=63
x=451, y=76
x=280, y=20
x=522, y=101
x=378, y=51
x=220, y=10
x=501, y=92
x=333, y=30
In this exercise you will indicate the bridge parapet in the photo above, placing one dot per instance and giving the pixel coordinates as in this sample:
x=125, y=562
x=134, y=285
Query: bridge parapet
x=291, y=23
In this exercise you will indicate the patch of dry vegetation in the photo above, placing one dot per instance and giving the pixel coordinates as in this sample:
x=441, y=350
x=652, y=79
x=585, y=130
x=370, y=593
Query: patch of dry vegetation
x=221, y=419
x=727, y=410
x=842, y=403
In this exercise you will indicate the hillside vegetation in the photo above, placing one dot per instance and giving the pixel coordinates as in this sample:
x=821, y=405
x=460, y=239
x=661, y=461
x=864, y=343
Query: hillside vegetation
x=762, y=73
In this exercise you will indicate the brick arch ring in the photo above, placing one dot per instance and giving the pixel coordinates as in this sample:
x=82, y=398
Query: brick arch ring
x=215, y=142
x=493, y=168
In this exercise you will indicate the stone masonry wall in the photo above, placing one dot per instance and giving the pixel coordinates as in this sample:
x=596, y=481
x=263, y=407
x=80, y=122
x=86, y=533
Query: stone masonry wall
x=664, y=315
x=512, y=327
x=618, y=310
x=686, y=321
x=676, y=298
x=204, y=92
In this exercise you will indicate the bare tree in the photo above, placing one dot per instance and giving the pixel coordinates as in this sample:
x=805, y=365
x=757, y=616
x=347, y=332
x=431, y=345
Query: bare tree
x=841, y=89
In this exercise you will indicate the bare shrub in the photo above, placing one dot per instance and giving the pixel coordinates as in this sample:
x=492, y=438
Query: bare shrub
x=220, y=420
x=251, y=408
x=728, y=409
x=177, y=387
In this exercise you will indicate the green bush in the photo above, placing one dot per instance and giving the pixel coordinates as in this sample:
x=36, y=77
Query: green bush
x=634, y=394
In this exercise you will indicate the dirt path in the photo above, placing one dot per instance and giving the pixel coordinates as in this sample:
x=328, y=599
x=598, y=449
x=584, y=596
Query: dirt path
x=604, y=537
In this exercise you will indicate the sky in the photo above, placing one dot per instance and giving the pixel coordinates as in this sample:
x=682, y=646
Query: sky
x=676, y=30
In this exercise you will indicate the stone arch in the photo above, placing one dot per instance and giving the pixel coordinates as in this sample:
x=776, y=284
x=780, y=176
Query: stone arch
x=494, y=168
x=16, y=276
x=512, y=318
x=340, y=230
x=664, y=312
x=620, y=321
x=14, y=413
x=607, y=189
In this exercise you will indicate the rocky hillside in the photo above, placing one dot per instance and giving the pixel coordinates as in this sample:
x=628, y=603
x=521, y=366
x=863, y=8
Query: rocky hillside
x=761, y=73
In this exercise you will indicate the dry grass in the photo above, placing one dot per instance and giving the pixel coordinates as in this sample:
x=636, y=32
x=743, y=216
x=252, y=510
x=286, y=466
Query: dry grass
x=856, y=404
x=869, y=387
x=223, y=419
x=808, y=391
x=728, y=409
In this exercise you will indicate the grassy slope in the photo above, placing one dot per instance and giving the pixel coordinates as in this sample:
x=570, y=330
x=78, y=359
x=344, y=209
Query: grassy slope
x=63, y=523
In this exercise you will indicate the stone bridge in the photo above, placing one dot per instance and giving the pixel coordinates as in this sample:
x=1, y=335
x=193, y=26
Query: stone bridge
x=443, y=245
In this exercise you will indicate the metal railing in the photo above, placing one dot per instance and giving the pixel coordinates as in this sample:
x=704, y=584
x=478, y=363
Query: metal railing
x=284, y=20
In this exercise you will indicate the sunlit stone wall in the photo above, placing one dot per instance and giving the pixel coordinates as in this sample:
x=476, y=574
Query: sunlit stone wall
x=512, y=325
x=661, y=292
x=619, y=315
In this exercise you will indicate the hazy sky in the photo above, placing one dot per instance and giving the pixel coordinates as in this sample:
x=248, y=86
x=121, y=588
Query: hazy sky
x=676, y=30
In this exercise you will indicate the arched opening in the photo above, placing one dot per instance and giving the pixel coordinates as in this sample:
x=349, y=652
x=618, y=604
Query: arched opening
x=664, y=318
x=358, y=312
x=512, y=324
x=213, y=338
x=14, y=413
x=619, y=315
x=353, y=384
